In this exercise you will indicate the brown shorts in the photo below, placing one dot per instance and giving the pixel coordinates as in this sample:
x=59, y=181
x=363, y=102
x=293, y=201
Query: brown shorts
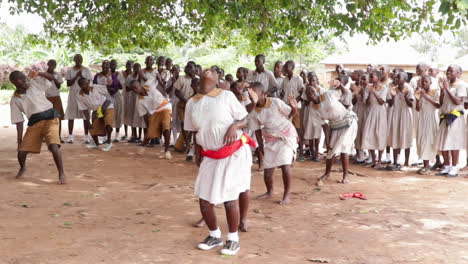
x=296, y=120
x=57, y=103
x=47, y=130
x=99, y=124
x=158, y=123
x=181, y=111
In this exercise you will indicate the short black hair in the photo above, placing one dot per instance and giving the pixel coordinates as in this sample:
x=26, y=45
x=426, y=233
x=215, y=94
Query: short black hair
x=256, y=85
x=261, y=56
x=15, y=75
x=290, y=62
x=81, y=80
x=404, y=74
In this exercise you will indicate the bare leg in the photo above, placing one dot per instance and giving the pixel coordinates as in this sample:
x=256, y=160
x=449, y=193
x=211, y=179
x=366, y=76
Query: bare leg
x=345, y=164
x=426, y=164
x=446, y=156
x=455, y=154
x=109, y=134
x=56, y=153
x=86, y=128
x=232, y=215
x=60, y=130
x=328, y=167
x=167, y=139
x=71, y=122
x=139, y=133
x=301, y=147
x=407, y=156
x=126, y=131
x=260, y=159
x=396, y=152
x=199, y=223
x=208, y=213
x=22, y=162
x=268, y=178
x=286, y=170
x=243, y=208
x=372, y=152
x=96, y=140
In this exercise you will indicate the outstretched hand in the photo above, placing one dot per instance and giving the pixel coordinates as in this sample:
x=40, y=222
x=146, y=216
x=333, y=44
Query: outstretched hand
x=253, y=95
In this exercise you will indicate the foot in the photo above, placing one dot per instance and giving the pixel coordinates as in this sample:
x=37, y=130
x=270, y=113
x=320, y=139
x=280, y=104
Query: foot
x=92, y=146
x=62, y=179
x=344, y=181
x=107, y=147
x=167, y=155
x=264, y=196
x=189, y=158
x=20, y=173
x=210, y=242
x=231, y=248
x=243, y=226
x=116, y=140
x=438, y=166
x=465, y=168
x=260, y=168
x=444, y=172
x=453, y=172
x=322, y=179
x=424, y=171
x=62, y=141
x=285, y=200
x=123, y=138
x=199, y=223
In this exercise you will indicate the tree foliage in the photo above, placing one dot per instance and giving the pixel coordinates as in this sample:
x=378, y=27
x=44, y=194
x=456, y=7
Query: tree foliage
x=263, y=24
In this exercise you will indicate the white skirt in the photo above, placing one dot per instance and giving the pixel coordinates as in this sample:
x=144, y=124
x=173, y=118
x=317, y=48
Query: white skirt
x=342, y=140
x=451, y=137
x=279, y=153
x=222, y=180
x=72, y=111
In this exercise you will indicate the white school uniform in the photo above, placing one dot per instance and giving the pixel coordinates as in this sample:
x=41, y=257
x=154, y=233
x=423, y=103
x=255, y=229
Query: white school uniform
x=266, y=78
x=72, y=111
x=374, y=133
x=360, y=109
x=401, y=124
x=151, y=78
x=218, y=180
x=292, y=87
x=150, y=104
x=313, y=130
x=273, y=118
x=32, y=102
x=330, y=109
x=53, y=91
x=452, y=137
x=96, y=98
x=184, y=85
x=428, y=128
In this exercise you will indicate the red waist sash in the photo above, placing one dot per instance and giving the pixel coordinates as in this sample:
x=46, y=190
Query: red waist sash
x=227, y=151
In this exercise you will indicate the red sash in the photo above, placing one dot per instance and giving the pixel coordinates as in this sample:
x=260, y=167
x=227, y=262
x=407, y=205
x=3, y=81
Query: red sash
x=227, y=151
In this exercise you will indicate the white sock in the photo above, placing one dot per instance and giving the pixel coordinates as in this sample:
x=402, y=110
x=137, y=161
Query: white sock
x=70, y=137
x=447, y=168
x=117, y=135
x=233, y=237
x=86, y=137
x=388, y=156
x=191, y=151
x=216, y=233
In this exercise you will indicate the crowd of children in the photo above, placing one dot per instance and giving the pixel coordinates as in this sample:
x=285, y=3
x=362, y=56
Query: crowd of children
x=277, y=117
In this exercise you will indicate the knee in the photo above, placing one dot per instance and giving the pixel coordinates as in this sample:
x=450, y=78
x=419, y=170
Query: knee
x=53, y=147
x=204, y=206
x=230, y=204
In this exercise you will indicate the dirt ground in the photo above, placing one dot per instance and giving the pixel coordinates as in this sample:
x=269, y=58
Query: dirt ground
x=128, y=206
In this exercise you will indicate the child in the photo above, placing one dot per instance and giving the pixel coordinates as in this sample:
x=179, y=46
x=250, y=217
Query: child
x=340, y=131
x=53, y=93
x=223, y=158
x=388, y=82
x=96, y=99
x=229, y=78
x=313, y=130
x=271, y=123
x=150, y=76
x=157, y=113
x=278, y=73
x=183, y=91
x=127, y=99
x=340, y=89
x=360, y=108
x=265, y=77
x=293, y=85
x=135, y=121
x=452, y=131
x=175, y=123
x=116, y=98
x=401, y=124
x=428, y=127
x=43, y=123
x=374, y=133
x=73, y=74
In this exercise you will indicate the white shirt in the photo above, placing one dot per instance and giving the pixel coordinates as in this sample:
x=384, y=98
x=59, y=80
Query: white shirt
x=152, y=103
x=94, y=99
x=53, y=91
x=274, y=116
x=71, y=73
x=184, y=85
x=32, y=102
x=266, y=78
x=292, y=87
x=457, y=89
x=329, y=109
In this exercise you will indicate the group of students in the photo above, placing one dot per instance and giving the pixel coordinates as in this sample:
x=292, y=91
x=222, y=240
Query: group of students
x=222, y=122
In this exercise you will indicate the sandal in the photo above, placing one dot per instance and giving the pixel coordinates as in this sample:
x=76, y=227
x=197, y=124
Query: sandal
x=346, y=196
x=359, y=196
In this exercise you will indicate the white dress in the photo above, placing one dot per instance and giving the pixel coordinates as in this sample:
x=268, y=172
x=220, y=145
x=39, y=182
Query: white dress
x=360, y=109
x=274, y=117
x=218, y=180
x=401, y=124
x=72, y=111
x=452, y=137
x=428, y=128
x=374, y=133
x=313, y=130
x=341, y=140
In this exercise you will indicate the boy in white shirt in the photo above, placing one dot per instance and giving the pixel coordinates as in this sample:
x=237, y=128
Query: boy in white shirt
x=43, y=123
x=53, y=93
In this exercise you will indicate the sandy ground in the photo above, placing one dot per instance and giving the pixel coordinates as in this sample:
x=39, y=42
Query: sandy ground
x=128, y=206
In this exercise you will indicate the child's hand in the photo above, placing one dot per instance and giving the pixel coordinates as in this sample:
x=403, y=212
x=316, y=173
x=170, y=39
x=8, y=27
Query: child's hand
x=443, y=83
x=230, y=136
x=78, y=74
x=253, y=95
x=292, y=101
x=33, y=74
x=282, y=93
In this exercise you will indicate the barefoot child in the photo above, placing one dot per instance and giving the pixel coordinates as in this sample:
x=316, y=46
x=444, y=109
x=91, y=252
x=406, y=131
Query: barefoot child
x=340, y=131
x=272, y=126
x=427, y=104
x=43, y=123
x=73, y=74
x=374, y=132
x=401, y=124
x=223, y=157
x=53, y=93
x=95, y=98
x=157, y=114
x=451, y=137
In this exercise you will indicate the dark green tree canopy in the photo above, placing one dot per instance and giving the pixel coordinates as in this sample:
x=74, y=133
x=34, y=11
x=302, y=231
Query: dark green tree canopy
x=284, y=24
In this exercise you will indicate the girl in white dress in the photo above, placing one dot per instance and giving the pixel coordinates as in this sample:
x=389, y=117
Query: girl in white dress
x=73, y=74
x=451, y=137
x=427, y=104
x=401, y=123
x=313, y=130
x=126, y=95
x=360, y=108
x=374, y=133
x=272, y=125
x=217, y=118
x=117, y=99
